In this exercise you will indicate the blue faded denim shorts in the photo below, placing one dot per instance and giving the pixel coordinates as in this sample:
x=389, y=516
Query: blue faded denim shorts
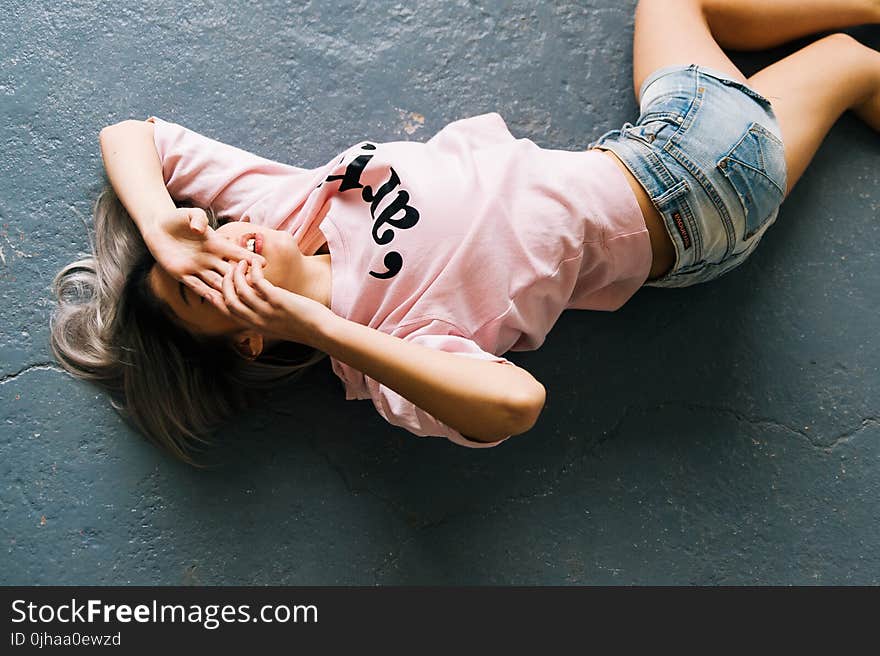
x=708, y=150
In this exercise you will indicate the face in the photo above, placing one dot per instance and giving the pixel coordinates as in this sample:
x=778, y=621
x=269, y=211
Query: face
x=199, y=316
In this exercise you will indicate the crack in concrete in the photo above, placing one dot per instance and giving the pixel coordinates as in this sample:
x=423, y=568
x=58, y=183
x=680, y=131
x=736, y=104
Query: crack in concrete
x=570, y=466
x=338, y=469
x=396, y=508
x=38, y=366
x=392, y=505
x=824, y=445
x=847, y=436
x=590, y=447
x=355, y=490
x=739, y=416
x=761, y=422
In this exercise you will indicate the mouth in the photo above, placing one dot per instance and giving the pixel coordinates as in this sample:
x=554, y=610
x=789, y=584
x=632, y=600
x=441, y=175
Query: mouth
x=253, y=242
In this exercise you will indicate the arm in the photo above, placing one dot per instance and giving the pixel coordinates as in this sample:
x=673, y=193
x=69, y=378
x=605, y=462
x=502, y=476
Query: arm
x=179, y=239
x=483, y=400
x=486, y=401
x=134, y=170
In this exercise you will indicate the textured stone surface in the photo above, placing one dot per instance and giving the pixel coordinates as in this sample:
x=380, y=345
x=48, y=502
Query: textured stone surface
x=727, y=433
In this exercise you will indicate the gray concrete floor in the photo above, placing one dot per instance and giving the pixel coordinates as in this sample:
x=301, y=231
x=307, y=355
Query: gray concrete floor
x=723, y=434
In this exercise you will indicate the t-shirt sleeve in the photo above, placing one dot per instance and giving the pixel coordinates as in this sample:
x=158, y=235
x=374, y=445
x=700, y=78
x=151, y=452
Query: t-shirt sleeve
x=398, y=411
x=472, y=133
x=207, y=172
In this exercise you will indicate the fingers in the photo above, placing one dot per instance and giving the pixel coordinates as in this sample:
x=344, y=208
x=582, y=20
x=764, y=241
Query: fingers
x=241, y=301
x=224, y=248
x=208, y=284
x=208, y=262
x=220, y=304
x=214, y=279
x=213, y=296
x=235, y=306
x=246, y=293
x=198, y=220
x=263, y=286
x=210, y=270
x=200, y=288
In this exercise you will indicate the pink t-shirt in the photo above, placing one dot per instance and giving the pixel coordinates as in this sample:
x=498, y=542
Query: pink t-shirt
x=473, y=242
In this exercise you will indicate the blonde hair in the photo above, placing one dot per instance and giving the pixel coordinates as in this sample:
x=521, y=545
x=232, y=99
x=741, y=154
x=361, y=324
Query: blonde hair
x=110, y=329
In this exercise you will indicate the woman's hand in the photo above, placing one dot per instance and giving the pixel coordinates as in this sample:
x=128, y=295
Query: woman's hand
x=191, y=251
x=272, y=310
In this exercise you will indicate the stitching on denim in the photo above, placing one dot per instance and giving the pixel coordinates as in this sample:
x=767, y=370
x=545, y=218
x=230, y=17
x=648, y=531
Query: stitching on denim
x=762, y=171
x=656, y=167
x=691, y=112
x=755, y=129
x=711, y=191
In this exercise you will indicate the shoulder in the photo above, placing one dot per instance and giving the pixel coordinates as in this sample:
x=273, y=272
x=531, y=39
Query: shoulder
x=477, y=131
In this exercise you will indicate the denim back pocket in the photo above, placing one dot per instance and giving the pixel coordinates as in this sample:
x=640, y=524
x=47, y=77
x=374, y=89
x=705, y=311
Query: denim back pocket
x=755, y=168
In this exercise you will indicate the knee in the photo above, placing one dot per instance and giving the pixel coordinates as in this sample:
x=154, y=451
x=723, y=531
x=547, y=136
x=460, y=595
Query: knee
x=846, y=45
x=842, y=40
x=665, y=4
x=650, y=8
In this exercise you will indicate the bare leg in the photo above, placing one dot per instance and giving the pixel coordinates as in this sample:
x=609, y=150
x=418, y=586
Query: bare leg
x=809, y=90
x=760, y=24
x=670, y=32
x=812, y=87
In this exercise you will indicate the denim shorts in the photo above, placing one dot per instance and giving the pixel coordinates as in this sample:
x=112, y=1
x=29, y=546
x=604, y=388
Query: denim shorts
x=708, y=150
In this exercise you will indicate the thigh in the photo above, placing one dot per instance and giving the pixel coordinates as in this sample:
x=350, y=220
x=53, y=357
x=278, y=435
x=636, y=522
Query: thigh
x=811, y=88
x=673, y=32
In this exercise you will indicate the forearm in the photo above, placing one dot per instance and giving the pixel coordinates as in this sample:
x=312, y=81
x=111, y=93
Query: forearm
x=135, y=171
x=480, y=399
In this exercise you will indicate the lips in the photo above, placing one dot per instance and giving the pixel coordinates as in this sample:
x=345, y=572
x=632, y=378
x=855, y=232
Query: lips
x=258, y=242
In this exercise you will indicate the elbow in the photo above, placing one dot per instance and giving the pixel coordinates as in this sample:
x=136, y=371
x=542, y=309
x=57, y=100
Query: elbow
x=110, y=129
x=127, y=124
x=516, y=414
x=124, y=123
x=525, y=407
